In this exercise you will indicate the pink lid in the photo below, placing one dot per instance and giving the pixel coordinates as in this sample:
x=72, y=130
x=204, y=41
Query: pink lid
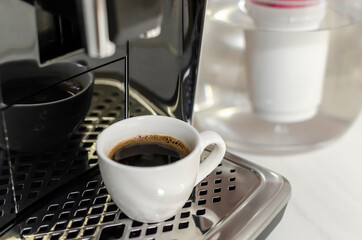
x=286, y=3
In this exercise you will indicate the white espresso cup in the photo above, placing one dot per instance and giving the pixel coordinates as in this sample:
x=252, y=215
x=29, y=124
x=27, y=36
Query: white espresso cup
x=156, y=193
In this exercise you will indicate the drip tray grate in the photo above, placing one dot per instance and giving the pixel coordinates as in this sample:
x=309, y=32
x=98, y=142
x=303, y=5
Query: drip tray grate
x=35, y=175
x=87, y=210
x=237, y=199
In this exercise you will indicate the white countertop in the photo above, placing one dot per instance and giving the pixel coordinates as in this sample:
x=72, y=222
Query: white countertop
x=326, y=201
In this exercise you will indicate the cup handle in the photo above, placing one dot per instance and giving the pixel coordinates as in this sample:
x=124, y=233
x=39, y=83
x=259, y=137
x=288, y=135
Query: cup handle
x=215, y=156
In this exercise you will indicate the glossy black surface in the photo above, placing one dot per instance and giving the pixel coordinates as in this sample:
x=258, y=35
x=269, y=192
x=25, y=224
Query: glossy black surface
x=162, y=69
x=49, y=117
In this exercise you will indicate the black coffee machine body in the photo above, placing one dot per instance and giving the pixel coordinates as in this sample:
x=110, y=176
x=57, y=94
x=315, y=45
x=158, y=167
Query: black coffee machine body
x=141, y=57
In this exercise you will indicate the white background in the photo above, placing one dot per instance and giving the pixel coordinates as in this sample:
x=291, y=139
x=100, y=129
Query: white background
x=326, y=201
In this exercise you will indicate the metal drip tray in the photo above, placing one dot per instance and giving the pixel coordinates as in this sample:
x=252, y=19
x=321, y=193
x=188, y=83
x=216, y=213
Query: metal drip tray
x=238, y=199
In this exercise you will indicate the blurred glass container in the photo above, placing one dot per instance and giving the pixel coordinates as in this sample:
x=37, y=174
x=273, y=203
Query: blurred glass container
x=280, y=76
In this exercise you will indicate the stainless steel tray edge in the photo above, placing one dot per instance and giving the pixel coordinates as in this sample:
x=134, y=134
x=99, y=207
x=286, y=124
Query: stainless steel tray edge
x=259, y=209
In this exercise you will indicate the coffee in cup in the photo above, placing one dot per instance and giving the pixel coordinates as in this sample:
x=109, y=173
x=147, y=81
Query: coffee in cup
x=149, y=150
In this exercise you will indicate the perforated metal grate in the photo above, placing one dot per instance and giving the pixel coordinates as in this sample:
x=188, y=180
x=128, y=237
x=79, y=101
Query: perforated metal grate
x=220, y=206
x=87, y=211
x=37, y=174
x=7, y=205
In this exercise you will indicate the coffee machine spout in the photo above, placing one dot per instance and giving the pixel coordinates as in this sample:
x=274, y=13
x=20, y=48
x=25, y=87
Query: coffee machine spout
x=120, y=20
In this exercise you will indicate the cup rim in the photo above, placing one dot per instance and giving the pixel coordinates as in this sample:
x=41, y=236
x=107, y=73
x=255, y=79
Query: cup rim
x=103, y=157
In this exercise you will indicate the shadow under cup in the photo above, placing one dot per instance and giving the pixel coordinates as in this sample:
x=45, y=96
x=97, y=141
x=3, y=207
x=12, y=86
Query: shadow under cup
x=45, y=108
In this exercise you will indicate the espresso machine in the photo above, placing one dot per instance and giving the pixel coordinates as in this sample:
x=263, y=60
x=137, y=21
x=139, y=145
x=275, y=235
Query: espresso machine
x=117, y=59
